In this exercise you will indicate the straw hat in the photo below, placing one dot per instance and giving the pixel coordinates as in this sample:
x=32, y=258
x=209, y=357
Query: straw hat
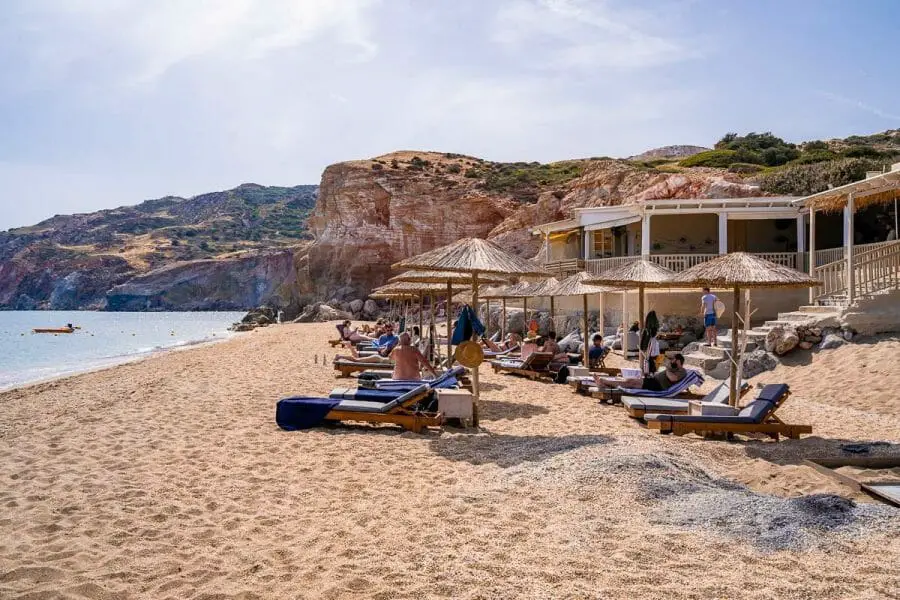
x=469, y=354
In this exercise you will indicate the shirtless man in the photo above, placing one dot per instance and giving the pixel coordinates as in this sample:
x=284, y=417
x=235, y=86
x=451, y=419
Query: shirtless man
x=656, y=382
x=408, y=361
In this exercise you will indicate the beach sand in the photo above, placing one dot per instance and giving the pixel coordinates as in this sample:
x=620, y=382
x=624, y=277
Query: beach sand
x=168, y=478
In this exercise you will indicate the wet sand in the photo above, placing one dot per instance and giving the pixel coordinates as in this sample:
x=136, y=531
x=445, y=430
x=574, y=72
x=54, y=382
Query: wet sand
x=168, y=478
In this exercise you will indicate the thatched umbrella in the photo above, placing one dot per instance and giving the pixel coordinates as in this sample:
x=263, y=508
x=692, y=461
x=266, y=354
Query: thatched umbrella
x=641, y=273
x=535, y=289
x=476, y=257
x=498, y=292
x=576, y=286
x=405, y=290
x=735, y=271
x=448, y=279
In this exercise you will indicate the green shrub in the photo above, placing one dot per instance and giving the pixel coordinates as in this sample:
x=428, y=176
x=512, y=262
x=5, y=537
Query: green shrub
x=814, y=156
x=862, y=152
x=744, y=168
x=454, y=168
x=711, y=158
x=473, y=173
x=802, y=180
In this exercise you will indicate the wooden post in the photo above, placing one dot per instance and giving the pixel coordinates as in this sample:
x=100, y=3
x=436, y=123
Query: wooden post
x=432, y=328
x=848, y=233
x=525, y=310
x=487, y=319
x=600, y=323
x=812, y=252
x=449, y=333
x=735, y=351
x=475, y=386
x=587, y=337
x=503, y=322
x=421, y=310
x=641, y=307
x=552, y=310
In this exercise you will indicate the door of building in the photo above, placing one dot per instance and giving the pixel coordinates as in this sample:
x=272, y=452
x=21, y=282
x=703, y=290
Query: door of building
x=737, y=236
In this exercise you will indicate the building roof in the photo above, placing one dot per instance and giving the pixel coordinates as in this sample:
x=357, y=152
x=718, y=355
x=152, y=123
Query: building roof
x=872, y=190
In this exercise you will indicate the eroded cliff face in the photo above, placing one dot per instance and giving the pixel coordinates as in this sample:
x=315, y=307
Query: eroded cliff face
x=370, y=214
x=236, y=283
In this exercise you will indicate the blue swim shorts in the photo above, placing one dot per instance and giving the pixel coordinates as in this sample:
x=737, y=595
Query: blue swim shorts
x=709, y=320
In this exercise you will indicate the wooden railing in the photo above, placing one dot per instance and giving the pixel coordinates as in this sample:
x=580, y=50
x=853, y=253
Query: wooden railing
x=599, y=265
x=875, y=267
x=681, y=262
x=566, y=266
x=830, y=255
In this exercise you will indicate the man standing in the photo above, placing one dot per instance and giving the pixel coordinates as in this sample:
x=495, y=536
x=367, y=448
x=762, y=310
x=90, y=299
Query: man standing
x=708, y=311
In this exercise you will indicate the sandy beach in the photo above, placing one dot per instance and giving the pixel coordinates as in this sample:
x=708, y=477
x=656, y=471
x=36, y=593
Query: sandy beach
x=168, y=478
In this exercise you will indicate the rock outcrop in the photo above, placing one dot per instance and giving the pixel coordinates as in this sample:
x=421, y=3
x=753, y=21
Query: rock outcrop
x=266, y=278
x=373, y=213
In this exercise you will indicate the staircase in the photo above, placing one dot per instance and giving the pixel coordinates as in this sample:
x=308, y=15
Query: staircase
x=707, y=357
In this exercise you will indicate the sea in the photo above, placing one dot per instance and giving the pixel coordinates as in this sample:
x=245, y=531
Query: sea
x=102, y=339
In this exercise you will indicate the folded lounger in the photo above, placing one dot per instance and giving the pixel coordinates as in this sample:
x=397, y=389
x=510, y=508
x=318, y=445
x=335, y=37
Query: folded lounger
x=533, y=367
x=680, y=389
x=306, y=412
x=581, y=383
x=638, y=406
x=757, y=417
x=345, y=368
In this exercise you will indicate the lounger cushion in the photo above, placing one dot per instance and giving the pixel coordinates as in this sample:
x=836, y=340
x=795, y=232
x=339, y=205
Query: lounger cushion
x=362, y=406
x=653, y=404
x=302, y=412
x=364, y=394
x=754, y=413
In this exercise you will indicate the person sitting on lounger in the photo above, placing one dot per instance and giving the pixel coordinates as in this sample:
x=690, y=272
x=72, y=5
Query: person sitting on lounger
x=597, y=352
x=552, y=347
x=656, y=382
x=351, y=335
x=408, y=361
x=386, y=342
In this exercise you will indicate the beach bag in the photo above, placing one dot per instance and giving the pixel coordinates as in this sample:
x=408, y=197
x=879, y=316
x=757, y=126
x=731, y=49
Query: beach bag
x=467, y=325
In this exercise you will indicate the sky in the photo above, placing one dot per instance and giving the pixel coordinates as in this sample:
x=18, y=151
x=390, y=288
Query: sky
x=105, y=103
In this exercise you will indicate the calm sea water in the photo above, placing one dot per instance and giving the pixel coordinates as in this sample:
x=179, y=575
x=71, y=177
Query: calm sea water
x=105, y=338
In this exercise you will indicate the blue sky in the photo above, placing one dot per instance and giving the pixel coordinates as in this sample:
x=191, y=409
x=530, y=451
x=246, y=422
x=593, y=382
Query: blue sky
x=109, y=102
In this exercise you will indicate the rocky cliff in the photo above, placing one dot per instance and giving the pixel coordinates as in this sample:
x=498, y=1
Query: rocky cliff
x=236, y=283
x=72, y=261
x=372, y=213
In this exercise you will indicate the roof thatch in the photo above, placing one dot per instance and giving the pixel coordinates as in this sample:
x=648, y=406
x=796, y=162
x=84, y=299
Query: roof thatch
x=444, y=277
x=740, y=269
x=639, y=272
x=410, y=288
x=575, y=285
x=875, y=190
x=535, y=289
x=471, y=255
x=493, y=293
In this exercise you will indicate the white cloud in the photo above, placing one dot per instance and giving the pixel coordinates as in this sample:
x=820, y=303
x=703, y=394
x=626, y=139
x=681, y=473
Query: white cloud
x=874, y=110
x=586, y=35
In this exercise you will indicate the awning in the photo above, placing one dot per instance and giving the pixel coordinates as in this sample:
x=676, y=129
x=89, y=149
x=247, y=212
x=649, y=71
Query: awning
x=613, y=223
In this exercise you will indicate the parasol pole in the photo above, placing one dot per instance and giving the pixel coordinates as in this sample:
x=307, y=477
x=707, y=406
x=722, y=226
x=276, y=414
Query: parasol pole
x=600, y=322
x=735, y=351
x=552, y=310
x=587, y=350
x=449, y=302
x=432, y=329
x=475, y=386
x=503, y=322
x=525, y=310
x=487, y=320
x=421, y=310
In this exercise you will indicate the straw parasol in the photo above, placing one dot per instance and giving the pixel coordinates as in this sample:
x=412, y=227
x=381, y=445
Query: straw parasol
x=641, y=273
x=476, y=257
x=535, y=289
x=576, y=285
x=405, y=290
x=443, y=277
x=735, y=271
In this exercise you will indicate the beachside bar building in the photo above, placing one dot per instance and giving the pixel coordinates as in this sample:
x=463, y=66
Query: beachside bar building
x=680, y=233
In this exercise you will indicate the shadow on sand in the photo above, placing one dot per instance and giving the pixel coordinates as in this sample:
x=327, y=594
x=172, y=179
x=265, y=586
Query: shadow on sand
x=510, y=450
x=496, y=410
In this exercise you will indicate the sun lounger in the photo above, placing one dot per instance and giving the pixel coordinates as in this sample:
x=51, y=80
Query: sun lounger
x=533, y=367
x=445, y=380
x=757, y=417
x=345, y=368
x=581, y=383
x=507, y=352
x=680, y=389
x=638, y=406
x=305, y=412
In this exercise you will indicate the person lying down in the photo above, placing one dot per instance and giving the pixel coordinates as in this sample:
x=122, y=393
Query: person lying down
x=407, y=360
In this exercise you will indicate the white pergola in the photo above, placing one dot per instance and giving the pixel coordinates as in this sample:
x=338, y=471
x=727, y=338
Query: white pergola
x=876, y=188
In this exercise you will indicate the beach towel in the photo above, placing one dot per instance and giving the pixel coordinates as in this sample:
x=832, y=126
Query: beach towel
x=443, y=381
x=692, y=378
x=303, y=412
x=467, y=325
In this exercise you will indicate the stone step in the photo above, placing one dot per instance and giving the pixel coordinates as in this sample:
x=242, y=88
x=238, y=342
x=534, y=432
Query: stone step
x=701, y=361
x=776, y=323
x=818, y=309
x=725, y=343
x=795, y=316
x=718, y=352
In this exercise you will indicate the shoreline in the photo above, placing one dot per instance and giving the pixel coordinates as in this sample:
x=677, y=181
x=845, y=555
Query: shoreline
x=125, y=359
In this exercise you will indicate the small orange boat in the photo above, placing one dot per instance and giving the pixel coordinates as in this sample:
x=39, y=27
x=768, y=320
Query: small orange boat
x=53, y=330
